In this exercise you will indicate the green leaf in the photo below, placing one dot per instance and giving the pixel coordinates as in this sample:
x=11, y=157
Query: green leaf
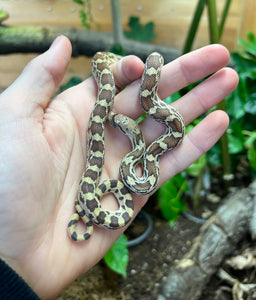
x=117, y=257
x=3, y=15
x=243, y=62
x=117, y=49
x=235, y=104
x=139, y=32
x=141, y=118
x=196, y=168
x=235, y=144
x=148, y=32
x=172, y=98
x=250, y=106
x=250, y=45
x=251, y=138
x=251, y=37
x=250, y=145
x=214, y=155
x=84, y=21
x=236, y=138
x=80, y=2
x=169, y=197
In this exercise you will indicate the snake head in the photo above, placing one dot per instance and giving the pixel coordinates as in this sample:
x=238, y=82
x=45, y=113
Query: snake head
x=127, y=125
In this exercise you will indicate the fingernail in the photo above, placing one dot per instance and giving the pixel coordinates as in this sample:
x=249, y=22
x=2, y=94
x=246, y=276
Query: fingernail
x=55, y=42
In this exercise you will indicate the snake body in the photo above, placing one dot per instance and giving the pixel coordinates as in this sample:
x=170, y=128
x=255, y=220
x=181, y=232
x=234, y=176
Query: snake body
x=161, y=112
x=87, y=205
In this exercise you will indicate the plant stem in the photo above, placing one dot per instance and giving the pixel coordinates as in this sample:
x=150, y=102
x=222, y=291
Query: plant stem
x=224, y=16
x=117, y=22
x=213, y=24
x=214, y=38
x=194, y=25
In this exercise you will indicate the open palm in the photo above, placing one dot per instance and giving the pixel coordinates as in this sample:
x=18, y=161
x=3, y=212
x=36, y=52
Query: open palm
x=43, y=153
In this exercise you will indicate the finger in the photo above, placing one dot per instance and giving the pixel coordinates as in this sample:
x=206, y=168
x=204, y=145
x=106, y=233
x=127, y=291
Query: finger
x=207, y=94
x=31, y=92
x=176, y=75
x=195, y=144
x=192, y=67
x=127, y=70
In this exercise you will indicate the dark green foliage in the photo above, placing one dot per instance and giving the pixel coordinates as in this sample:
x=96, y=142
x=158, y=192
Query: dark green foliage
x=139, y=32
x=117, y=257
x=241, y=108
x=80, y=2
x=117, y=49
x=170, y=197
x=85, y=12
x=241, y=104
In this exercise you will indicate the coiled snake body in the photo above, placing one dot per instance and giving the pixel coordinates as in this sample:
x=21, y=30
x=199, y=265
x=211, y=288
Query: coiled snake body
x=87, y=205
x=172, y=137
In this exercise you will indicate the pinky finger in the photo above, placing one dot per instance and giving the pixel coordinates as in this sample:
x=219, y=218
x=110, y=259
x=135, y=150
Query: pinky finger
x=195, y=144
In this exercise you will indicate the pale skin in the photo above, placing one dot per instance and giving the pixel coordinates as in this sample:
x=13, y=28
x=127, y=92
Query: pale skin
x=43, y=153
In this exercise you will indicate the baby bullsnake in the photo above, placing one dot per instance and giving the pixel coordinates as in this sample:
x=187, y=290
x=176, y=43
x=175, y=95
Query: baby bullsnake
x=161, y=112
x=87, y=205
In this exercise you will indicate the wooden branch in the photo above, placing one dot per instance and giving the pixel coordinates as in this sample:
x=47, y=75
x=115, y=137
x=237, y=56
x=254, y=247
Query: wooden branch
x=37, y=39
x=218, y=237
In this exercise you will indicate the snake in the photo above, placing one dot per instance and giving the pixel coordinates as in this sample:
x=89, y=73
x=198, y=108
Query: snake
x=87, y=204
x=90, y=191
x=167, y=115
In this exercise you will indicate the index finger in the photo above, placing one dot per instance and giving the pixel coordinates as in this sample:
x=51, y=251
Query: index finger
x=176, y=75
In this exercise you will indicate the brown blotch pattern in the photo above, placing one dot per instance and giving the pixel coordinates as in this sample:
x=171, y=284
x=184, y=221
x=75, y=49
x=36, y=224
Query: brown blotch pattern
x=114, y=222
x=147, y=103
x=106, y=78
x=98, y=161
x=97, y=128
x=106, y=94
x=171, y=141
x=101, y=217
x=100, y=111
x=92, y=174
x=91, y=204
x=129, y=203
x=124, y=190
x=155, y=149
x=87, y=187
x=97, y=146
x=126, y=217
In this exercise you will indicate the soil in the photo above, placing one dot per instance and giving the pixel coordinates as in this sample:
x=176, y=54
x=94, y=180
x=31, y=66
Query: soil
x=149, y=263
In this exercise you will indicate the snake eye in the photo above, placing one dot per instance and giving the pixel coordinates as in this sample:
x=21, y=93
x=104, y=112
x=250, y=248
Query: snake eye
x=114, y=124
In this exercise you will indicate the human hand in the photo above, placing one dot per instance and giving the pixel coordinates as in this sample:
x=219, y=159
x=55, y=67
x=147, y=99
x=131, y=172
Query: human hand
x=43, y=153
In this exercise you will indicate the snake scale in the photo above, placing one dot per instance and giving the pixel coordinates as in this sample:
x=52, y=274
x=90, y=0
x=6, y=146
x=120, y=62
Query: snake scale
x=87, y=204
